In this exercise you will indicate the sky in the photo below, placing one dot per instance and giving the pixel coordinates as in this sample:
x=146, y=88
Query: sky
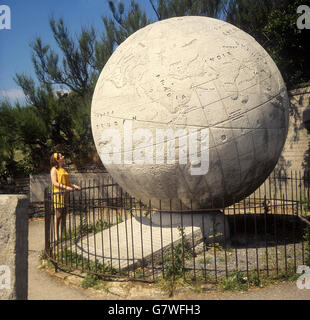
x=30, y=19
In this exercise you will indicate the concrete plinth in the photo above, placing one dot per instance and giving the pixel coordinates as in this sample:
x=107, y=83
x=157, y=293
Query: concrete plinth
x=212, y=224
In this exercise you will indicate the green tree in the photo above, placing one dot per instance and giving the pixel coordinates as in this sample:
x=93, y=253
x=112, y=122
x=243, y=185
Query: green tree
x=53, y=122
x=127, y=22
x=7, y=141
x=78, y=68
x=105, y=46
x=252, y=15
x=273, y=24
x=175, y=8
x=288, y=45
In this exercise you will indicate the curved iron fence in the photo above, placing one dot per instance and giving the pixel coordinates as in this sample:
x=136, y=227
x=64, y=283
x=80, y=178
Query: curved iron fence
x=104, y=231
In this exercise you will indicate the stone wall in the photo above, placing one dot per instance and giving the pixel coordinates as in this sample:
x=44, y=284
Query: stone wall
x=13, y=247
x=16, y=186
x=296, y=152
x=39, y=182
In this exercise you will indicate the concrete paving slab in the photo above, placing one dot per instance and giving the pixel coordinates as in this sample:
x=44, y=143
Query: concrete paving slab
x=134, y=242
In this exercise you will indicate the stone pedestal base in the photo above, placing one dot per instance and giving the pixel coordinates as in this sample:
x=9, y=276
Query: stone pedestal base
x=214, y=225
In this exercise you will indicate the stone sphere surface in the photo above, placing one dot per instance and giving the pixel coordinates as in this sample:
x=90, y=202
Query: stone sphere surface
x=191, y=73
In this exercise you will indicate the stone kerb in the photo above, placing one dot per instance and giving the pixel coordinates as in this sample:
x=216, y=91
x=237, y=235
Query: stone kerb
x=13, y=247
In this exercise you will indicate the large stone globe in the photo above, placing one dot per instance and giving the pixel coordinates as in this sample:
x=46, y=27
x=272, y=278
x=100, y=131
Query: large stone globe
x=190, y=112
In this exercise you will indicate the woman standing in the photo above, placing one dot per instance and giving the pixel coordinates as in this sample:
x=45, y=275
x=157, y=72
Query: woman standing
x=61, y=184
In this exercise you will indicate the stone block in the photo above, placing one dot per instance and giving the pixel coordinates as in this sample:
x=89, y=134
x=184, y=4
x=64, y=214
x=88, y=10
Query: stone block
x=13, y=247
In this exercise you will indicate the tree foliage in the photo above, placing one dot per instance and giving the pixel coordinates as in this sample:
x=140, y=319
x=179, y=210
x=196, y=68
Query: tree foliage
x=291, y=52
x=129, y=22
x=176, y=8
x=77, y=71
x=273, y=24
x=7, y=141
x=252, y=15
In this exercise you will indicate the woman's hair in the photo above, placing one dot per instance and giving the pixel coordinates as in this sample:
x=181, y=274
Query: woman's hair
x=53, y=161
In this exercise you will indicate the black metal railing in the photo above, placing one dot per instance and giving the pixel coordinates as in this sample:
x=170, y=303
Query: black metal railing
x=104, y=231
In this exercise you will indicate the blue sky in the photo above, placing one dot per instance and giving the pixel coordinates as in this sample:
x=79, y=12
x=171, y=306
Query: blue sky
x=30, y=19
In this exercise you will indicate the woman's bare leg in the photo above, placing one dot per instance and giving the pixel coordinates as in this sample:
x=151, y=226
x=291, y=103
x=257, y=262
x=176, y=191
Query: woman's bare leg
x=56, y=223
x=63, y=222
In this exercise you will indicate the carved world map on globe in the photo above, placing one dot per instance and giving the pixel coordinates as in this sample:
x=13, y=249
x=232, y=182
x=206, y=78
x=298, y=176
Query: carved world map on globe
x=193, y=72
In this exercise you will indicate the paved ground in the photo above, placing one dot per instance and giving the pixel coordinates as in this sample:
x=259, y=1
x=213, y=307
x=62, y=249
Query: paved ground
x=43, y=286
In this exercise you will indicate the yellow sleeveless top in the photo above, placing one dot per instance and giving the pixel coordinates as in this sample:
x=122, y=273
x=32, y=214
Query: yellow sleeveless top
x=61, y=200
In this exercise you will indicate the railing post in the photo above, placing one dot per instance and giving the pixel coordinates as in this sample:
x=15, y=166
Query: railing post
x=47, y=222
